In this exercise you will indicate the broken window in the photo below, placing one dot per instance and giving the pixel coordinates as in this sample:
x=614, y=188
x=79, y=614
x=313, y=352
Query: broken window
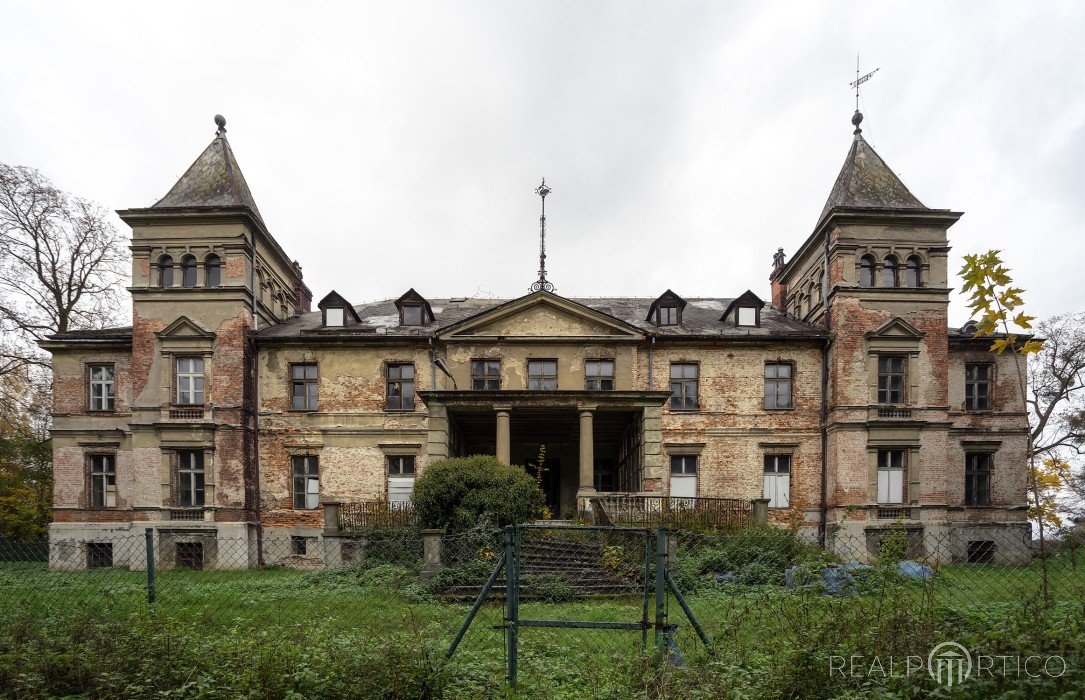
x=778, y=385
x=485, y=375
x=977, y=387
x=891, y=379
x=190, y=380
x=102, y=387
x=103, y=481
x=212, y=271
x=684, y=386
x=542, y=375
x=400, y=478
x=190, y=475
x=890, y=476
x=303, y=385
x=977, y=479
x=599, y=375
x=400, y=387
x=299, y=545
x=306, y=482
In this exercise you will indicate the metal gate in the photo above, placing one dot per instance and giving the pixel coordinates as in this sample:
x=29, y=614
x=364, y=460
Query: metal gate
x=606, y=563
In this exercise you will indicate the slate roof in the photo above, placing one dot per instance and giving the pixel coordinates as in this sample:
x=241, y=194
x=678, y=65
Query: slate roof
x=701, y=318
x=214, y=180
x=866, y=182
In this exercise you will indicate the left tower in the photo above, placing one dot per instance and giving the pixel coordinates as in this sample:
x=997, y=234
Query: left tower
x=173, y=449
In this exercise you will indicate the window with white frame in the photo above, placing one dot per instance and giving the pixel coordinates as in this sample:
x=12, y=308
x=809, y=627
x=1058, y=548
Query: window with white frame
x=333, y=316
x=747, y=316
x=683, y=476
x=778, y=480
x=891, y=476
x=103, y=481
x=306, y=482
x=190, y=479
x=190, y=380
x=400, y=478
x=102, y=387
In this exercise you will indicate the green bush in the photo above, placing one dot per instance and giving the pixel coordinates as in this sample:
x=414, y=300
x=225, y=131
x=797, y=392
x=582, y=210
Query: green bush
x=456, y=494
x=551, y=588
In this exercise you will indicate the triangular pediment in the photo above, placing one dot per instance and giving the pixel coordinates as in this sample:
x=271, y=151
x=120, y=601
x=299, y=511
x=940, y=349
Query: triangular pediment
x=542, y=315
x=184, y=327
x=896, y=328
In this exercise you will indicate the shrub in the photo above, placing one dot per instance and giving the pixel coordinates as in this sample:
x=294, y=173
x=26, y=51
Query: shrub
x=551, y=588
x=456, y=494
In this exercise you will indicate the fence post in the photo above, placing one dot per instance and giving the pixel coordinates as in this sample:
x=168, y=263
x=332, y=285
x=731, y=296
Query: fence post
x=761, y=511
x=512, y=598
x=661, y=586
x=431, y=552
x=149, y=535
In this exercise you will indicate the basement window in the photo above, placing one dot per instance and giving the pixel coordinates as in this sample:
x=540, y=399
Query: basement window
x=99, y=555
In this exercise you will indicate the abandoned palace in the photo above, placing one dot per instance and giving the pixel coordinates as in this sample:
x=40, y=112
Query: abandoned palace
x=233, y=414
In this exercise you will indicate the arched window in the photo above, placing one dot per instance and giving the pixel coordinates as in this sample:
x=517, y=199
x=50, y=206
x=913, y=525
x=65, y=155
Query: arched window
x=912, y=273
x=889, y=272
x=212, y=271
x=188, y=271
x=165, y=271
x=866, y=271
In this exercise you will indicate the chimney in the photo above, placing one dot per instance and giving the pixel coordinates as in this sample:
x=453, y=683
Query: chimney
x=779, y=288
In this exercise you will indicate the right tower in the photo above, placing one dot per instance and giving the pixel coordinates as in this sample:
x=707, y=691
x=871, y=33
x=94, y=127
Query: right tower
x=923, y=428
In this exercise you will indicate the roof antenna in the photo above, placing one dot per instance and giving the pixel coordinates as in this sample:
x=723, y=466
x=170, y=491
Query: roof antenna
x=857, y=118
x=542, y=285
x=221, y=121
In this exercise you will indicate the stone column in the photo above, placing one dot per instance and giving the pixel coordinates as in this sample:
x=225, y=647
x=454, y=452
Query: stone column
x=504, y=440
x=761, y=511
x=587, y=454
x=431, y=552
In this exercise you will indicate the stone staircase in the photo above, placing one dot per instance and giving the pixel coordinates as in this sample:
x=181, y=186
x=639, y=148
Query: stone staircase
x=544, y=560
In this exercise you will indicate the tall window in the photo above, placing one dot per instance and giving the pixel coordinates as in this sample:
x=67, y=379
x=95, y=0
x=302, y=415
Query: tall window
x=890, y=476
x=683, y=386
x=303, y=384
x=667, y=316
x=542, y=375
x=683, y=476
x=866, y=271
x=778, y=480
x=400, y=387
x=891, y=379
x=977, y=479
x=165, y=271
x=912, y=272
x=400, y=478
x=412, y=314
x=103, y=481
x=212, y=271
x=977, y=387
x=188, y=271
x=190, y=380
x=889, y=271
x=485, y=375
x=190, y=479
x=778, y=385
x=102, y=388
x=599, y=375
x=306, y=482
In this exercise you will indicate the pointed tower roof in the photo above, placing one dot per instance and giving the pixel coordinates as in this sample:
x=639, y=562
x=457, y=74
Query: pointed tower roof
x=214, y=180
x=866, y=182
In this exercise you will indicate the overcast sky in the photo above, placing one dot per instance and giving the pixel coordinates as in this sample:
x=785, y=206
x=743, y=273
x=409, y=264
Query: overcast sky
x=392, y=145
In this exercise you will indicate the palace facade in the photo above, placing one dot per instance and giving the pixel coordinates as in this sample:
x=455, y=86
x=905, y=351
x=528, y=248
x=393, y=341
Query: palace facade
x=232, y=413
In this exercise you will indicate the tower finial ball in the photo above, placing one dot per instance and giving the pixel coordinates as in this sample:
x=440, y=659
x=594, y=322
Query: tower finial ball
x=220, y=120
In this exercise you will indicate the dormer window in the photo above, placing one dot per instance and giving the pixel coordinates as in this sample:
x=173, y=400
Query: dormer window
x=747, y=316
x=414, y=310
x=333, y=316
x=412, y=314
x=337, y=311
x=667, y=316
x=745, y=311
x=666, y=310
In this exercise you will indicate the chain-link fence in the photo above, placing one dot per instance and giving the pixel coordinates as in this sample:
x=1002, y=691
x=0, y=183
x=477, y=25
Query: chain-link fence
x=605, y=609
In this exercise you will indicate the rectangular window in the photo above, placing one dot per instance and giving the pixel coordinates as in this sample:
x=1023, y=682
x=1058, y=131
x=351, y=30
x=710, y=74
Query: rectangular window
x=683, y=476
x=103, y=481
x=190, y=380
x=778, y=385
x=333, y=316
x=683, y=386
x=189, y=555
x=102, y=387
x=890, y=476
x=303, y=384
x=190, y=479
x=412, y=315
x=306, y=482
x=981, y=551
x=747, y=316
x=400, y=392
x=891, y=379
x=299, y=546
x=667, y=316
x=485, y=375
x=977, y=387
x=542, y=375
x=977, y=479
x=778, y=480
x=400, y=478
x=599, y=375
x=99, y=555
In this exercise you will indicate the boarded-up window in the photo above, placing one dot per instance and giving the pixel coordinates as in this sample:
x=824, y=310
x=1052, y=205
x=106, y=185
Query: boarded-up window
x=778, y=480
x=890, y=476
